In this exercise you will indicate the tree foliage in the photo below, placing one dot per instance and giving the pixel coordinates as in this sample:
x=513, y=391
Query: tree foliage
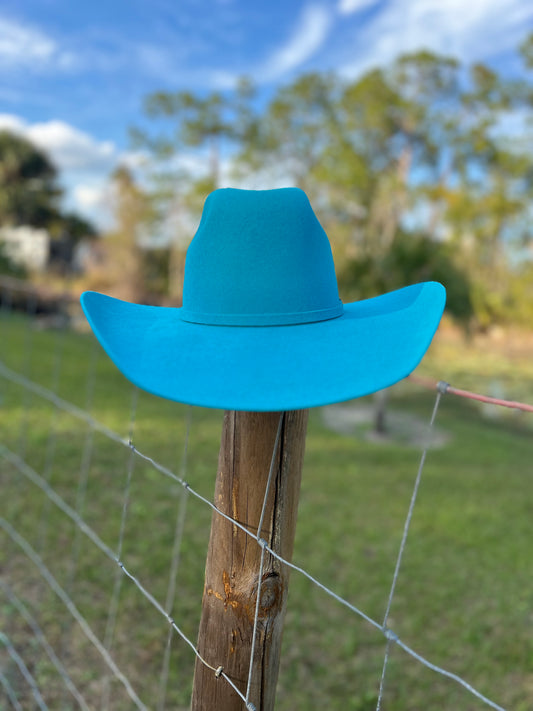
x=30, y=196
x=417, y=170
x=411, y=258
x=29, y=191
x=119, y=267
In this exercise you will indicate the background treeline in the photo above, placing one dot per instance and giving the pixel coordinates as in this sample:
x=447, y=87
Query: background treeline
x=30, y=196
x=419, y=170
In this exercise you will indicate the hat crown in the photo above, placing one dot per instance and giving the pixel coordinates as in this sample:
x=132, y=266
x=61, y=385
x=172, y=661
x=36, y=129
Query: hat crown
x=259, y=257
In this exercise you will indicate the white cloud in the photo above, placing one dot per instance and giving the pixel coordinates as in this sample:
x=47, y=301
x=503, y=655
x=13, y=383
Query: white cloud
x=13, y=123
x=135, y=159
x=348, y=7
x=23, y=45
x=311, y=33
x=84, y=162
x=70, y=148
x=222, y=80
x=91, y=200
x=89, y=197
x=472, y=31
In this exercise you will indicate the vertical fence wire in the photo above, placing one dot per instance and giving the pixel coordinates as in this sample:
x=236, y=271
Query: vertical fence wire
x=115, y=597
x=42, y=528
x=174, y=565
x=29, y=339
x=410, y=511
x=261, y=543
x=390, y=636
x=80, y=496
x=52, y=435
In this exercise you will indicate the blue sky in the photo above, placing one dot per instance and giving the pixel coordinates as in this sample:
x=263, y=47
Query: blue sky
x=73, y=73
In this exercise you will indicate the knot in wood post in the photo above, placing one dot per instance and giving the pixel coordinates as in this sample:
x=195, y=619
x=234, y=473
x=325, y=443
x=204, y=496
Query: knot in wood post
x=234, y=558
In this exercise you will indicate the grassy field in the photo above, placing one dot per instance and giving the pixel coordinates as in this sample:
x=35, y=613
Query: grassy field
x=464, y=597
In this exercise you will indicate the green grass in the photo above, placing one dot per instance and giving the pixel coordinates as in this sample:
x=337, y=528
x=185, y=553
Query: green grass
x=464, y=597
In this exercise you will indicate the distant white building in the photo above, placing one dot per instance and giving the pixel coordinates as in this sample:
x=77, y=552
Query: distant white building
x=28, y=247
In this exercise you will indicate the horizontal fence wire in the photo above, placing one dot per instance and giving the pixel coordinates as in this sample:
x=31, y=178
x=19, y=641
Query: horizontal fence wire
x=41, y=638
x=60, y=592
x=15, y=656
x=34, y=477
x=390, y=636
x=10, y=692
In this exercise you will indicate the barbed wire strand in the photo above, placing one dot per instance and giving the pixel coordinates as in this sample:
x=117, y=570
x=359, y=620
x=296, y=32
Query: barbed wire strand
x=71, y=607
x=6, y=372
x=42, y=640
x=15, y=656
x=175, y=561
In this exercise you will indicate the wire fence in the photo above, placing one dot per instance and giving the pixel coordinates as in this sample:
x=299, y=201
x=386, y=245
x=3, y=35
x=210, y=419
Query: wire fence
x=86, y=622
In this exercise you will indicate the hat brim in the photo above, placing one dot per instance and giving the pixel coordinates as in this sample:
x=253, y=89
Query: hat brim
x=374, y=344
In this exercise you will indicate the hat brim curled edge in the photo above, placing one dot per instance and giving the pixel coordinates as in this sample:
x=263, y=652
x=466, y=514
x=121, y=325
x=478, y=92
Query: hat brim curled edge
x=374, y=344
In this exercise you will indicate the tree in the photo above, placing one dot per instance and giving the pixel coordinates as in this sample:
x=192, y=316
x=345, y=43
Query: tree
x=29, y=192
x=211, y=125
x=419, y=147
x=479, y=199
x=291, y=136
x=202, y=122
x=8, y=267
x=66, y=232
x=120, y=267
x=412, y=258
x=30, y=196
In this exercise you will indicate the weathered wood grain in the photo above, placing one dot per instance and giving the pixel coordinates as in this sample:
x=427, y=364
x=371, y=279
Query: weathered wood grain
x=233, y=559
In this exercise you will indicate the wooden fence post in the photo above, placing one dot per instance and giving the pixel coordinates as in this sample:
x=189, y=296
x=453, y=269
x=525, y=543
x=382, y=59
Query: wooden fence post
x=233, y=558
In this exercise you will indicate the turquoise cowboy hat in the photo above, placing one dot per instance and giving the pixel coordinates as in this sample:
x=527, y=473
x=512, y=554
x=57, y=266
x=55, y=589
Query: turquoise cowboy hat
x=262, y=327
